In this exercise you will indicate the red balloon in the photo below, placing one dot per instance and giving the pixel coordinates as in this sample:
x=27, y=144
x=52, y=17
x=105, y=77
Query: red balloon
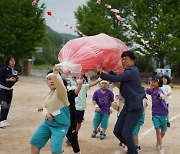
x=90, y=52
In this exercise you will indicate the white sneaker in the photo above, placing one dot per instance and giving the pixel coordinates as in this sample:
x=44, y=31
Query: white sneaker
x=2, y=124
x=157, y=146
x=125, y=149
x=6, y=123
x=161, y=151
x=78, y=153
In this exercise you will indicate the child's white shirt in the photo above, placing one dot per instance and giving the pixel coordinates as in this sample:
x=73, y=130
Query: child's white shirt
x=80, y=101
x=166, y=89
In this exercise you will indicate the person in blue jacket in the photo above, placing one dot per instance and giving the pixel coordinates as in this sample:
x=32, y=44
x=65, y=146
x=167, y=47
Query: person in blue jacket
x=133, y=94
x=8, y=77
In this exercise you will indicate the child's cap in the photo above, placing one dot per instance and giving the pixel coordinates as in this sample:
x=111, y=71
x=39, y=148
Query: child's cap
x=158, y=79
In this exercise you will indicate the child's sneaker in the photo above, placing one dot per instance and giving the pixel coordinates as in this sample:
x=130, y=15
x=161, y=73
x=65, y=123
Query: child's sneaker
x=78, y=152
x=157, y=146
x=2, y=124
x=6, y=123
x=161, y=151
x=94, y=133
x=138, y=148
x=125, y=149
x=168, y=124
x=68, y=143
x=102, y=136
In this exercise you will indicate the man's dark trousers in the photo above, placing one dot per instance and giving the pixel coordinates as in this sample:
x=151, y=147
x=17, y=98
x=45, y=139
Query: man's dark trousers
x=124, y=127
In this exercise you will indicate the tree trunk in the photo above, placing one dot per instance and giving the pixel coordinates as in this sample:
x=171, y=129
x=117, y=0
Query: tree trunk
x=161, y=61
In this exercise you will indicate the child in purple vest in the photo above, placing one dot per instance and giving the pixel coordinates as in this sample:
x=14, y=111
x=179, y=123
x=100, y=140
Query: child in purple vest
x=159, y=110
x=102, y=99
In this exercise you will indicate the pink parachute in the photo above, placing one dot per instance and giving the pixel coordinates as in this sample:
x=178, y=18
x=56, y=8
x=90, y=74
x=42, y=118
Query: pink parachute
x=90, y=52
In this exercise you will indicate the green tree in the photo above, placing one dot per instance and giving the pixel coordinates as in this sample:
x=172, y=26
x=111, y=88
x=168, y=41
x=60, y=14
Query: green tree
x=158, y=22
x=21, y=27
x=93, y=18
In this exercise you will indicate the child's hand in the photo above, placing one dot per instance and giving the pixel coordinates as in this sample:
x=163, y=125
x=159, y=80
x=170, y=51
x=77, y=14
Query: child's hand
x=167, y=94
x=98, y=109
x=81, y=76
x=89, y=78
x=56, y=69
x=40, y=109
x=110, y=111
x=117, y=97
x=49, y=117
x=115, y=106
x=161, y=96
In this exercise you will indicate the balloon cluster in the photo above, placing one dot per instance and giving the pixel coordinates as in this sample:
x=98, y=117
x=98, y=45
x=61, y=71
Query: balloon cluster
x=91, y=52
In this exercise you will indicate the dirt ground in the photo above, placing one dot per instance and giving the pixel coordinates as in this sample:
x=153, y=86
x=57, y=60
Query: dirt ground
x=24, y=120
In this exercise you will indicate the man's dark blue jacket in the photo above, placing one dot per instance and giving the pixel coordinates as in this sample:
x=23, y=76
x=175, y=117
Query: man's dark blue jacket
x=6, y=73
x=130, y=88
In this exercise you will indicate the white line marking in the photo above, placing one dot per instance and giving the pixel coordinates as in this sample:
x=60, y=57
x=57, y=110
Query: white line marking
x=174, y=117
x=152, y=128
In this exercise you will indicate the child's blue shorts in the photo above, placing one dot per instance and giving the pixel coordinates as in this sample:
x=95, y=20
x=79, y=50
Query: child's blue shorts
x=46, y=132
x=138, y=125
x=160, y=122
x=102, y=119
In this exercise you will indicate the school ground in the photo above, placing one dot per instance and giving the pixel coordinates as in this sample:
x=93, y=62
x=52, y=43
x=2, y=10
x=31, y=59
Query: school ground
x=24, y=120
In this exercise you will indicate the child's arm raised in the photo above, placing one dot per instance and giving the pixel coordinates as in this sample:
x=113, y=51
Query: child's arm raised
x=79, y=84
x=61, y=89
x=95, y=82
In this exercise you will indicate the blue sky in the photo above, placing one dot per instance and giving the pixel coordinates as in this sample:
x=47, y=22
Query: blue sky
x=62, y=12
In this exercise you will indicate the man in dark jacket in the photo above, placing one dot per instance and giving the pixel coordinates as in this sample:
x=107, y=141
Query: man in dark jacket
x=133, y=94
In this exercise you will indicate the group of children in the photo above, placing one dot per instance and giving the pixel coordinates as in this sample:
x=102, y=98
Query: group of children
x=64, y=107
x=65, y=104
x=160, y=92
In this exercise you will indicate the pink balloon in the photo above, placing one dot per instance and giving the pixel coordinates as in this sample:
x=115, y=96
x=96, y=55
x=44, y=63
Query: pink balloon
x=90, y=52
